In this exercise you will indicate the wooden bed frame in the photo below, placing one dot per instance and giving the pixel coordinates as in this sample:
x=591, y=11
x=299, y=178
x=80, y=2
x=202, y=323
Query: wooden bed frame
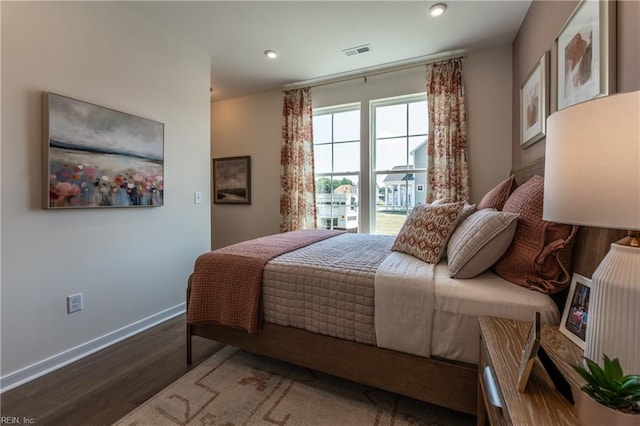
x=442, y=382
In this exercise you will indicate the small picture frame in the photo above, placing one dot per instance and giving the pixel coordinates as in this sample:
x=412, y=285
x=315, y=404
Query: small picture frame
x=576, y=310
x=529, y=353
x=232, y=180
x=534, y=103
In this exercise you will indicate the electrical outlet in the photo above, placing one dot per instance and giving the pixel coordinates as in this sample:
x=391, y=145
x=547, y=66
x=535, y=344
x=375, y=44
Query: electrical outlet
x=74, y=303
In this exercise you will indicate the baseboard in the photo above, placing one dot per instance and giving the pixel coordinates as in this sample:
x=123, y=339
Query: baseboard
x=43, y=367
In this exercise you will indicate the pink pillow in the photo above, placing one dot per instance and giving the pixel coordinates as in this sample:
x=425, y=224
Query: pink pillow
x=539, y=257
x=496, y=197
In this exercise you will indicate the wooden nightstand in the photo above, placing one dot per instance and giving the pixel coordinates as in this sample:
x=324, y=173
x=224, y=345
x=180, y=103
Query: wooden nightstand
x=501, y=343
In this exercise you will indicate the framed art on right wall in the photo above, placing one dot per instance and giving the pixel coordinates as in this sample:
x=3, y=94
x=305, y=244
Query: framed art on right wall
x=586, y=54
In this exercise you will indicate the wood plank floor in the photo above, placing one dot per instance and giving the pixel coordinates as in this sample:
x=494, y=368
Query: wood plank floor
x=103, y=387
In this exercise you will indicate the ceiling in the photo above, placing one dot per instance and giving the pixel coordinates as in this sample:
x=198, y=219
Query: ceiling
x=310, y=36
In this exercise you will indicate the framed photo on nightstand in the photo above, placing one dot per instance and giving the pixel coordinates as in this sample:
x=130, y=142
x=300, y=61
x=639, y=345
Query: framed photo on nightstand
x=576, y=310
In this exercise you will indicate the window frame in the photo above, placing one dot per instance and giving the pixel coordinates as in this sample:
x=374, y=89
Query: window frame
x=373, y=172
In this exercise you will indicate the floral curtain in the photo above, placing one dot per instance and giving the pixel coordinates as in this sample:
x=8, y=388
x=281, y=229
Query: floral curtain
x=447, y=169
x=297, y=184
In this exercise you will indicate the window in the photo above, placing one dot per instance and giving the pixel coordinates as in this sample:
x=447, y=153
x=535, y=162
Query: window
x=395, y=173
x=336, y=141
x=399, y=129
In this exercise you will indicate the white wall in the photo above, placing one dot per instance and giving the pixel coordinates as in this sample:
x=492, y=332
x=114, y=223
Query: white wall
x=130, y=264
x=251, y=126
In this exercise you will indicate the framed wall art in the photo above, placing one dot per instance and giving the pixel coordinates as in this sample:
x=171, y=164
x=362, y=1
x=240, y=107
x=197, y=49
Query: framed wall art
x=232, y=180
x=98, y=157
x=534, y=103
x=576, y=310
x=586, y=54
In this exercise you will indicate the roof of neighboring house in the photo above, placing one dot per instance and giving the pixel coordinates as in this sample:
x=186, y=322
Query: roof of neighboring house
x=400, y=177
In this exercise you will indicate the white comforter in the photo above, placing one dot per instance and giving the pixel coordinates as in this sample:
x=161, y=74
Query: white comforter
x=419, y=309
x=404, y=302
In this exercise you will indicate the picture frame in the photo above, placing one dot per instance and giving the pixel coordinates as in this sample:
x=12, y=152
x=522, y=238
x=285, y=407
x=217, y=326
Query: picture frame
x=576, y=310
x=232, y=180
x=534, y=103
x=97, y=157
x=529, y=353
x=586, y=54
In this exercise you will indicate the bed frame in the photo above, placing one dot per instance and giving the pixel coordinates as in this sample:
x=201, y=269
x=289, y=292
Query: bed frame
x=442, y=382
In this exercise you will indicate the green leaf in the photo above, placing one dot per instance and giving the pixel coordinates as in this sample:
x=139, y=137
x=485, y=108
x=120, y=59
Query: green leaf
x=612, y=368
x=596, y=371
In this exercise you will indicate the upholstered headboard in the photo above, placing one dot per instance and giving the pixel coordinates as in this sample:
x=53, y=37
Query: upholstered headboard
x=592, y=244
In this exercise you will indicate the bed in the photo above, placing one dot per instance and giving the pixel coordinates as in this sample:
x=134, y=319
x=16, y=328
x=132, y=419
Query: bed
x=360, y=340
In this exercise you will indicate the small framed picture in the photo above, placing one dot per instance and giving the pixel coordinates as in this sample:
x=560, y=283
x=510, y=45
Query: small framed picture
x=534, y=103
x=529, y=353
x=232, y=180
x=576, y=310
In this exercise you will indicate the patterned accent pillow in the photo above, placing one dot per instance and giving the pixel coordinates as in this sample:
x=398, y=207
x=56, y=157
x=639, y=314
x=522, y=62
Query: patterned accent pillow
x=426, y=231
x=496, y=197
x=479, y=242
x=539, y=257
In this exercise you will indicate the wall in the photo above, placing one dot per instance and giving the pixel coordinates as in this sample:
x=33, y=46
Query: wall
x=130, y=264
x=251, y=126
x=541, y=26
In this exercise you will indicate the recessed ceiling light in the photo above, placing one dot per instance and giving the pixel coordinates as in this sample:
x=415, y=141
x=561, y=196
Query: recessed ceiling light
x=437, y=9
x=271, y=54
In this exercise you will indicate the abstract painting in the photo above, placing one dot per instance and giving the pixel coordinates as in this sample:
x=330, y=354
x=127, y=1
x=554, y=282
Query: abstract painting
x=232, y=180
x=585, y=50
x=99, y=157
x=534, y=103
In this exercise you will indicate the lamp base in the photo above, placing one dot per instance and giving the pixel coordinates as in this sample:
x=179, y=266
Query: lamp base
x=613, y=326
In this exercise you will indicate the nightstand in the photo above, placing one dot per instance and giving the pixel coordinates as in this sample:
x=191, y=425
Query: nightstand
x=499, y=402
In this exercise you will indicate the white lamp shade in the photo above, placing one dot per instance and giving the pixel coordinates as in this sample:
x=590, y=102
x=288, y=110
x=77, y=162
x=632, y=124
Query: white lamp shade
x=592, y=163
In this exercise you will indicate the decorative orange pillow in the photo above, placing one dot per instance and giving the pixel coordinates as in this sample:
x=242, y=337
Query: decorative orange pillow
x=496, y=197
x=427, y=229
x=539, y=257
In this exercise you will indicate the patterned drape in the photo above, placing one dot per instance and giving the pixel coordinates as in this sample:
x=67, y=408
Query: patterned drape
x=297, y=184
x=447, y=170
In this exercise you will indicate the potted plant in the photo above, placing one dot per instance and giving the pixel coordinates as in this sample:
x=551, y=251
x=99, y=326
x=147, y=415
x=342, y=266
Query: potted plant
x=609, y=397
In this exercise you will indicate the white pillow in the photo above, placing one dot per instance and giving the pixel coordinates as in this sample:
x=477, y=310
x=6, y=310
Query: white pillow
x=479, y=242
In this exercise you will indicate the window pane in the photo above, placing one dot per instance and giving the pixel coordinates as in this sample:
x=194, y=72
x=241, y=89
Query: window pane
x=346, y=157
x=391, y=153
x=346, y=126
x=418, y=151
x=322, y=158
x=337, y=202
x=391, y=121
x=418, y=123
x=322, y=128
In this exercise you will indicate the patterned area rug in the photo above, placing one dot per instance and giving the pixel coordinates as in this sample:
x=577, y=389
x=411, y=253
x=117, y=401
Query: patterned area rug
x=233, y=387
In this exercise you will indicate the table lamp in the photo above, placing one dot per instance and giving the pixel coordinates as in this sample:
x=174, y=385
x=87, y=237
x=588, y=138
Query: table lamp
x=592, y=178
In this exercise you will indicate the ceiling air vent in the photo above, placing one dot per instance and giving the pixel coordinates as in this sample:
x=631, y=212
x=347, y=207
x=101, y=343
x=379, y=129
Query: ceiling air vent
x=358, y=50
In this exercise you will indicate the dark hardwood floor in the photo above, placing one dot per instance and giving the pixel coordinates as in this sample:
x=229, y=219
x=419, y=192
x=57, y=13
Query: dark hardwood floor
x=103, y=387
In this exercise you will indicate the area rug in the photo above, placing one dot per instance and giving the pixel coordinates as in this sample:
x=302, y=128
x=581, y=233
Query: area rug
x=234, y=388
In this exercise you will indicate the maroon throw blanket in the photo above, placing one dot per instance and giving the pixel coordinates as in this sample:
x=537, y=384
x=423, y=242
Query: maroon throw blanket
x=226, y=283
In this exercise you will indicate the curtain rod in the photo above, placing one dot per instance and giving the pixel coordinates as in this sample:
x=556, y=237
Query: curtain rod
x=376, y=70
